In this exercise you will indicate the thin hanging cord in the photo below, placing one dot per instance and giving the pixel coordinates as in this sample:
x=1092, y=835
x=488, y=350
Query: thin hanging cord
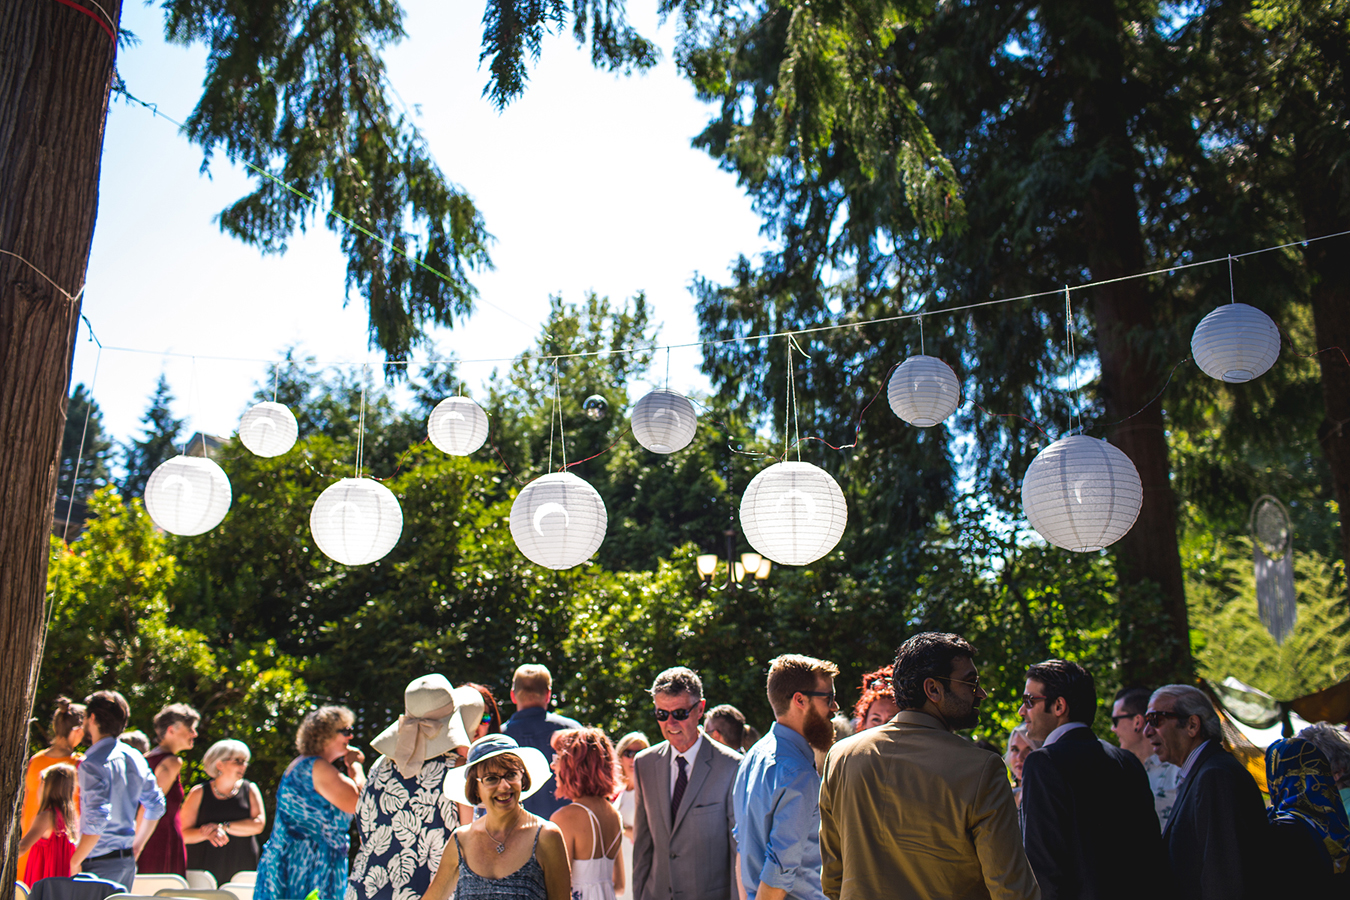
x=276, y=377
x=562, y=434
x=552, y=415
x=192, y=390
x=667, y=368
x=1073, y=360
x=79, y=457
x=787, y=401
x=1232, y=292
x=921, y=350
x=361, y=422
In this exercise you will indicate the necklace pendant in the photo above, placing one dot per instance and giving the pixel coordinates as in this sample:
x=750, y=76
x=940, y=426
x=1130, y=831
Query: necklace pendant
x=501, y=848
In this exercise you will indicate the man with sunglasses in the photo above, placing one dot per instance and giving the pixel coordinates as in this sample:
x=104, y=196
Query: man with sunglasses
x=683, y=837
x=1127, y=723
x=910, y=810
x=1086, y=805
x=1216, y=835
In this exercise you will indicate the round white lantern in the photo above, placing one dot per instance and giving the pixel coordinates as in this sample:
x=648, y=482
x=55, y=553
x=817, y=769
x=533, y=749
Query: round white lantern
x=1235, y=343
x=188, y=495
x=793, y=513
x=268, y=429
x=356, y=521
x=664, y=421
x=924, y=390
x=1082, y=494
x=558, y=521
x=457, y=426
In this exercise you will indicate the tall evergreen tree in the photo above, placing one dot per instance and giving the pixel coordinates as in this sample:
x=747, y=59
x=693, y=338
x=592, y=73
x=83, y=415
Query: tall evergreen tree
x=159, y=441
x=94, y=461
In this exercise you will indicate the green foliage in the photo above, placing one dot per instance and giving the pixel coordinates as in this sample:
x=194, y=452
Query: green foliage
x=94, y=463
x=1230, y=639
x=158, y=442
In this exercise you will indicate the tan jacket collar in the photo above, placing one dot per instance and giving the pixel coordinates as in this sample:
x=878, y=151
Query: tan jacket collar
x=922, y=719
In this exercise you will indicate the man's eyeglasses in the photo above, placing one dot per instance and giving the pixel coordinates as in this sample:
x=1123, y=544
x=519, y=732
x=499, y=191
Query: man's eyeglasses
x=828, y=695
x=1155, y=717
x=1030, y=700
x=679, y=715
x=491, y=781
x=347, y=731
x=1115, y=720
x=974, y=685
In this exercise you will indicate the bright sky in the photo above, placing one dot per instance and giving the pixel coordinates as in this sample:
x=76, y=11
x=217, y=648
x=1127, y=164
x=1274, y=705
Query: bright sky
x=587, y=182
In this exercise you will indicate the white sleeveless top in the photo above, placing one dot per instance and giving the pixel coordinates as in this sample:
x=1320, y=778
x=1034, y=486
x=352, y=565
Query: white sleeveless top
x=593, y=879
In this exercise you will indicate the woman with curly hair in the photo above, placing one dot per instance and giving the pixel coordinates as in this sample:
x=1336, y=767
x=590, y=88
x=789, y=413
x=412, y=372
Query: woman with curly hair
x=583, y=764
x=877, y=704
x=315, y=803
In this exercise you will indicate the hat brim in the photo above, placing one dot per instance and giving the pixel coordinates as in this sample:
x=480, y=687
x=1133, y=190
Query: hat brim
x=450, y=736
x=536, y=764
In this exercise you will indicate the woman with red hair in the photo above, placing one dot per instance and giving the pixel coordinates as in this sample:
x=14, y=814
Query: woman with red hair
x=583, y=764
x=877, y=704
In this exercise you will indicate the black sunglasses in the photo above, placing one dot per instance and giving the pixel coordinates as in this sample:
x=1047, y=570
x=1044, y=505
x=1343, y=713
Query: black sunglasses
x=679, y=715
x=1155, y=717
x=1115, y=720
x=828, y=695
x=347, y=731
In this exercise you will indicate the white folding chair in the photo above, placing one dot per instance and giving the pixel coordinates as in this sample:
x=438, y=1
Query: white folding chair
x=200, y=880
x=21, y=889
x=148, y=885
x=241, y=891
x=249, y=876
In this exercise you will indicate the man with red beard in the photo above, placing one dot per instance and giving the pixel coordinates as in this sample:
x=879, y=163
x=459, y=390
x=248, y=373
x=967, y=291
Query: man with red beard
x=777, y=792
x=910, y=810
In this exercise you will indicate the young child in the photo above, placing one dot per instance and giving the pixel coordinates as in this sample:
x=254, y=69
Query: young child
x=51, y=837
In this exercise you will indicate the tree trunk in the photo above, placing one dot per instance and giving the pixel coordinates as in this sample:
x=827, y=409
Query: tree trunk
x=1155, y=633
x=54, y=88
x=1324, y=212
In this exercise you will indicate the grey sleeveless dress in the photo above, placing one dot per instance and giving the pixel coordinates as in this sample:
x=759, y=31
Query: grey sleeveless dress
x=525, y=883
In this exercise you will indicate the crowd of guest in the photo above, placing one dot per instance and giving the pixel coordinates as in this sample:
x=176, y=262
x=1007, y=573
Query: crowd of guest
x=889, y=802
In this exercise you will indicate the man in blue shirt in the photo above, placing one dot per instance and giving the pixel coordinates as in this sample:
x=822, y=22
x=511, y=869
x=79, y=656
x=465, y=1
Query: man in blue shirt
x=115, y=781
x=777, y=789
x=533, y=726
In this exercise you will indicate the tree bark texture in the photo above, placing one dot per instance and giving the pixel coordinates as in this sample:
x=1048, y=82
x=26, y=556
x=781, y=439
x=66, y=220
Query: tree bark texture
x=1155, y=642
x=56, y=68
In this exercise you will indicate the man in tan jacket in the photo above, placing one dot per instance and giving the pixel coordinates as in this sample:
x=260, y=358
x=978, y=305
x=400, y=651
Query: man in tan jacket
x=912, y=810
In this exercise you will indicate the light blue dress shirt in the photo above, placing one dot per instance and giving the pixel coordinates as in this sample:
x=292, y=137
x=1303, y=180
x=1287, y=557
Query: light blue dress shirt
x=114, y=780
x=777, y=798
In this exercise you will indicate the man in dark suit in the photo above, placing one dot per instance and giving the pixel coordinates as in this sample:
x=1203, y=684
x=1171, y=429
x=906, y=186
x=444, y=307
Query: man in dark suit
x=1087, y=810
x=683, y=842
x=1216, y=834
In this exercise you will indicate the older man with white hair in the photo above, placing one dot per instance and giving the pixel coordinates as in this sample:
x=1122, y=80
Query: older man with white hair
x=1215, y=834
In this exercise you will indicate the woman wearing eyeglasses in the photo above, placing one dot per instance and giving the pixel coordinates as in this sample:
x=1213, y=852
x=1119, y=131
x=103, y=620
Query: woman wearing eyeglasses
x=629, y=746
x=223, y=816
x=508, y=853
x=315, y=803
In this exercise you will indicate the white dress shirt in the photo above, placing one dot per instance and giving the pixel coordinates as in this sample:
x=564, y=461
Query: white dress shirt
x=688, y=762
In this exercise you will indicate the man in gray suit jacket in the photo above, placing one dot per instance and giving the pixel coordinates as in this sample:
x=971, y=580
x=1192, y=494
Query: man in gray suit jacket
x=683, y=848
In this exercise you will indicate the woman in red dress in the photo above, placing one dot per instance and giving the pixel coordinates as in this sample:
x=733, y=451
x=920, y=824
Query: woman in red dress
x=176, y=727
x=50, y=840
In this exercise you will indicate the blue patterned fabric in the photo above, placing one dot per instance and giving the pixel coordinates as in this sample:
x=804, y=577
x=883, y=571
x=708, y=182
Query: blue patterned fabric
x=308, y=847
x=1302, y=790
x=403, y=824
x=525, y=883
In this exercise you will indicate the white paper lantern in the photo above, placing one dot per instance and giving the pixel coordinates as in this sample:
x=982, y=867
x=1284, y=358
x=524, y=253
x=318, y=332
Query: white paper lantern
x=1235, y=343
x=664, y=421
x=457, y=426
x=793, y=513
x=923, y=391
x=356, y=521
x=268, y=429
x=188, y=495
x=1082, y=494
x=558, y=521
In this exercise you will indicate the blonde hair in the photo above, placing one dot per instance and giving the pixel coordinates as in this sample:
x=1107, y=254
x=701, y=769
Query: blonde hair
x=532, y=682
x=58, y=795
x=319, y=727
x=221, y=749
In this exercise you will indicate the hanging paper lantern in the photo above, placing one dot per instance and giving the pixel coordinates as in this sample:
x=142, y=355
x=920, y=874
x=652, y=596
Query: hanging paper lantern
x=1235, y=343
x=664, y=421
x=356, y=521
x=1082, y=494
x=924, y=390
x=793, y=513
x=457, y=426
x=188, y=495
x=268, y=429
x=558, y=521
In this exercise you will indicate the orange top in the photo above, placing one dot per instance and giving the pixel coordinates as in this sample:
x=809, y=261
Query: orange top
x=32, y=789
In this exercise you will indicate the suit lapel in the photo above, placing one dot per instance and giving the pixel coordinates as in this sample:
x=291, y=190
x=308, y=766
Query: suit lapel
x=697, y=775
x=1186, y=783
x=662, y=798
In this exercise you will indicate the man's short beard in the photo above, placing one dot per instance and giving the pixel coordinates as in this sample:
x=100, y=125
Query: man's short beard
x=818, y=730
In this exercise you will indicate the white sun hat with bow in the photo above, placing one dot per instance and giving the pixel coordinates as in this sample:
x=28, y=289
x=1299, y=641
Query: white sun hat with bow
x=430, y=726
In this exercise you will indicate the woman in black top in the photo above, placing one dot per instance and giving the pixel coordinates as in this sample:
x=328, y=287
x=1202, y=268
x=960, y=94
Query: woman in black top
x=222, y=817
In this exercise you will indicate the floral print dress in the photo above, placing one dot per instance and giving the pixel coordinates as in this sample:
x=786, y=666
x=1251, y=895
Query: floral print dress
x=404, y=824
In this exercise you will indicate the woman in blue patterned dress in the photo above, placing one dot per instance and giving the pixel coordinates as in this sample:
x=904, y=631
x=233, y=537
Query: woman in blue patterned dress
x=315, y=803
x=404, y=814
